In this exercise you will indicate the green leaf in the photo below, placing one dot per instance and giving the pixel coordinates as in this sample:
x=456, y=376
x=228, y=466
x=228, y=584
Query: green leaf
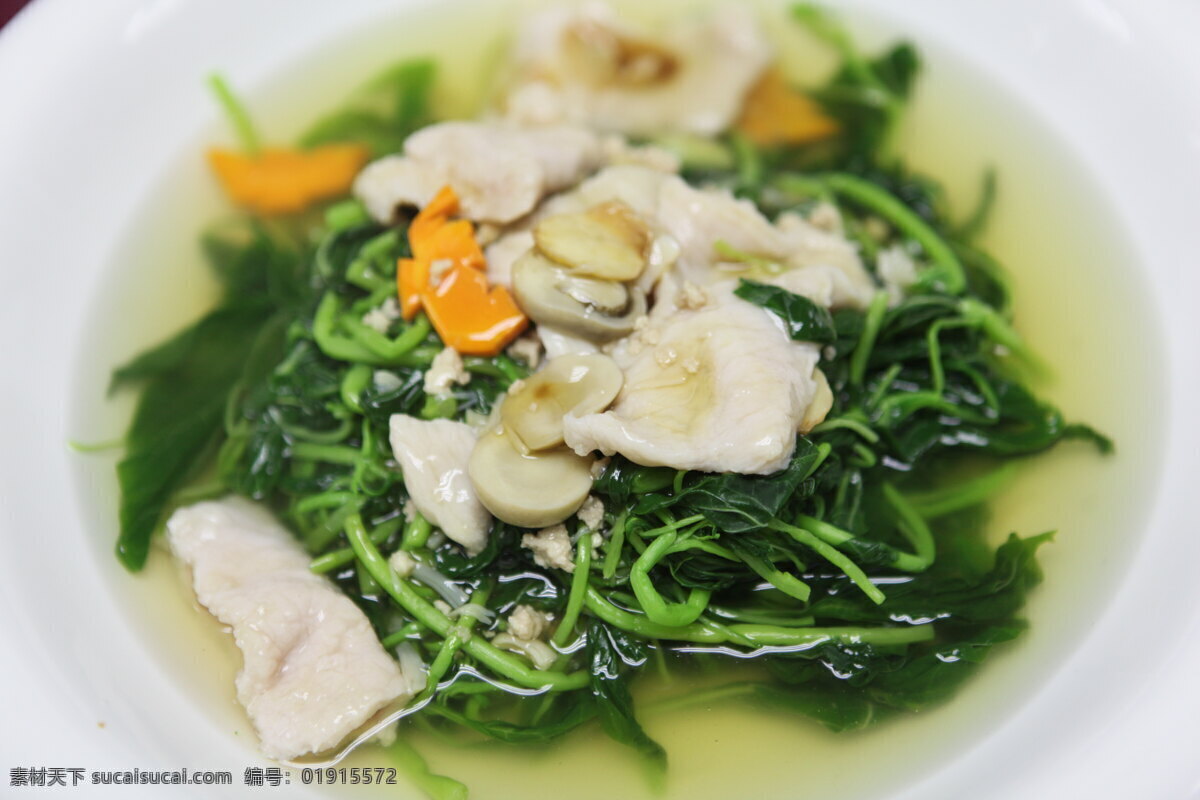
x=383, y=113
x=622, y=480
x=157, y=360
x=867, y=96
x=944, y=593
x=178, y=416
x=933, y=676
x=457, y=564
x=734, y=503
x=897, y=69
x=251, y=259
x=614, y=703
x=805, y=320
x=380, y=403
x=838, y=710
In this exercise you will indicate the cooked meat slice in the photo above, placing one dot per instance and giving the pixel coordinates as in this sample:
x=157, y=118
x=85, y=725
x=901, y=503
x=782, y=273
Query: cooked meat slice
x=313, y=668
x=820, y=264
x=718, y=389
x=581, y=65
x=433, y=456
x=499, y=172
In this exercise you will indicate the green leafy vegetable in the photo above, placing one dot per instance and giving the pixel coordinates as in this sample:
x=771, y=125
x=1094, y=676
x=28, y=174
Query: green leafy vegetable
x=733, y=503
x=383, y=113
x=867, y=96
x=805, y=320
x=188, y=380
x=611, y=652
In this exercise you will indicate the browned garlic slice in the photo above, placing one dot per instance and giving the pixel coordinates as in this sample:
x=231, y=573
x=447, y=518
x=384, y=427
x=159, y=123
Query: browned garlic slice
x=607, y=241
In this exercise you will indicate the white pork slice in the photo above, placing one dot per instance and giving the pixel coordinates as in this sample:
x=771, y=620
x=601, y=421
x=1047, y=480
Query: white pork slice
x=433, y=456
x=313, y=669
x=718, y=389
x=702, y=219
x=579, y=64
x=499, y=172
x=823, y=265
x=504, y=252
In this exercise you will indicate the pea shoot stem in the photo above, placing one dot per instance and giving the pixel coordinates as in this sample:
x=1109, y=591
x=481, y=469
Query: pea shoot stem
x=400, y=590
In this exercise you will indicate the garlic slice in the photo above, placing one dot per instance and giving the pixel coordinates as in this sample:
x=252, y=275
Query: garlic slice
x=574, y=384
x=608, y=241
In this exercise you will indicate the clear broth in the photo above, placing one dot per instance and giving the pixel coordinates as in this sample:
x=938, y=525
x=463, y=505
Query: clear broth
x=1078, y=298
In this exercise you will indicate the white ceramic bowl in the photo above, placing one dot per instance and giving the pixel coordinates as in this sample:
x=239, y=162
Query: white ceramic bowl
x=98, y=100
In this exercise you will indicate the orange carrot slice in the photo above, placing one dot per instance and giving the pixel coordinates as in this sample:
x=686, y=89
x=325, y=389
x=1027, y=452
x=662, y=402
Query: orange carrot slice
x=470, y=317
x=775, y=113
x=284, y=181
x=454, y=241
x=412, y=278
x=434, y=237
x=433, y=216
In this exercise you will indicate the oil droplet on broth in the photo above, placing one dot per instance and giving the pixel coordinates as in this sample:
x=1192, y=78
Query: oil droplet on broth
x=1056, y=238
